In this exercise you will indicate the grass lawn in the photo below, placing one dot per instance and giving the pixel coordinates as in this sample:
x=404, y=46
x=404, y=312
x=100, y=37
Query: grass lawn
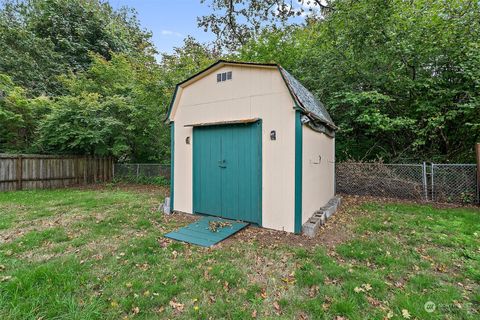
x=99, y=254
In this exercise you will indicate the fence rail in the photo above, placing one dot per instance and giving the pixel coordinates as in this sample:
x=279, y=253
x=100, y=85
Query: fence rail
x=22, y=172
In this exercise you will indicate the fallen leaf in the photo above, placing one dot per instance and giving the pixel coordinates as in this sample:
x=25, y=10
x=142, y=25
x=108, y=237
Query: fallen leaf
x=358, y=290
x=136, y=310
x=5, y=278
x=128, y=284
x=367, y=286
x=313, y=291
x=263, y=294
x=2, y=267
x=406, y=314
x=114, y=304
x=174, y=254
x=254, y=313
x=374, y=302
x=302, y=316
x=276, y=306
x=176, y=305
x=441, y=268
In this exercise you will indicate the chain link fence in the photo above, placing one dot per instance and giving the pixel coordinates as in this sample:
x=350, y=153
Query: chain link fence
x=434, y=182
x=454, y=183
x=142, y=173
x=405, y=181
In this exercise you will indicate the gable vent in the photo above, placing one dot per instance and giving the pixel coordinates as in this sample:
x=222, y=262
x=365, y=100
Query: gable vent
x=224, y=76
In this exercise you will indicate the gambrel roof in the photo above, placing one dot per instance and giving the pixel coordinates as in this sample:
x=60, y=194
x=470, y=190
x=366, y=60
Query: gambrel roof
x=303, y=98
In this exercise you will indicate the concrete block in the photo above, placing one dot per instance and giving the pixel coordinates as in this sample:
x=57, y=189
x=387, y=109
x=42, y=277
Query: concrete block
x=320, y=217
x=310, y=228
x=166, y=206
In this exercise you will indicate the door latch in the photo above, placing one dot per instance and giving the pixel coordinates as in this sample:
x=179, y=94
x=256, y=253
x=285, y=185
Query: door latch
x=222, y=163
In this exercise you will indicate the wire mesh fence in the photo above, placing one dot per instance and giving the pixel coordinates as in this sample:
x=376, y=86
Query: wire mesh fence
x=406, y=181
x=434, y=182
x=454, y=183
x=142, y=172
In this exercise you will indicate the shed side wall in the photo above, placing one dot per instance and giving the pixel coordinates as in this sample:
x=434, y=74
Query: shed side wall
x=253, y=93
x=318, y=171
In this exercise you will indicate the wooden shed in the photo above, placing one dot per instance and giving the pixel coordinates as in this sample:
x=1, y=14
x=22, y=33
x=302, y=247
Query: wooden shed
x=250, y=143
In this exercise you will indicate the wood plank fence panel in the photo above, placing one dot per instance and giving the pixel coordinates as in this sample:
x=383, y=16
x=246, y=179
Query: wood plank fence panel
x=25, y=172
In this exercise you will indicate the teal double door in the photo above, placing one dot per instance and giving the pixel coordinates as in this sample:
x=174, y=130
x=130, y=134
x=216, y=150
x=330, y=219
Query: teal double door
x=227, y=171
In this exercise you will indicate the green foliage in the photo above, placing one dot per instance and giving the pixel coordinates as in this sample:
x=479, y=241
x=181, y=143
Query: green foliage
x=185, y=62
x=111, y=109
x=18, y=115
x=400, y=78
x=44, y=39
x=74, y=84
x=85, y=124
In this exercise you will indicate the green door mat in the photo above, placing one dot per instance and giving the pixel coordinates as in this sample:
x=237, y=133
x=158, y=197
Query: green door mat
x=207, y=231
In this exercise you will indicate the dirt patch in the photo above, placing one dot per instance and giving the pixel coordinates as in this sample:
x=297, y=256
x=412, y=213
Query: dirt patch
x=181, y=218
x=338, y=229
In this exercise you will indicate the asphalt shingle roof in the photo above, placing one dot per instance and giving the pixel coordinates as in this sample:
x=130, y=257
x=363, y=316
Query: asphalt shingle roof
x=306, y=99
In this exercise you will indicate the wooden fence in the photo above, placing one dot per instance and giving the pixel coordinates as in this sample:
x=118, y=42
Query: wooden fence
x=21, y=172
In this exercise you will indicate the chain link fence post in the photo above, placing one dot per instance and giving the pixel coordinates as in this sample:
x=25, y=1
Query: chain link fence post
x=432, y=177
x=424, y=175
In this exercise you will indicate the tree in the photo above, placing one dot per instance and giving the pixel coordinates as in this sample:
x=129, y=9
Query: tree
x=114, y=108
x=235, y=22
x=186, y=61
x=18, y=116
x=399, y=78
x=42, y=39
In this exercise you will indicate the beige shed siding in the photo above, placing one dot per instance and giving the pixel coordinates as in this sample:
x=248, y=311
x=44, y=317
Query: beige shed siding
x=254, y=92
x=318, y=175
